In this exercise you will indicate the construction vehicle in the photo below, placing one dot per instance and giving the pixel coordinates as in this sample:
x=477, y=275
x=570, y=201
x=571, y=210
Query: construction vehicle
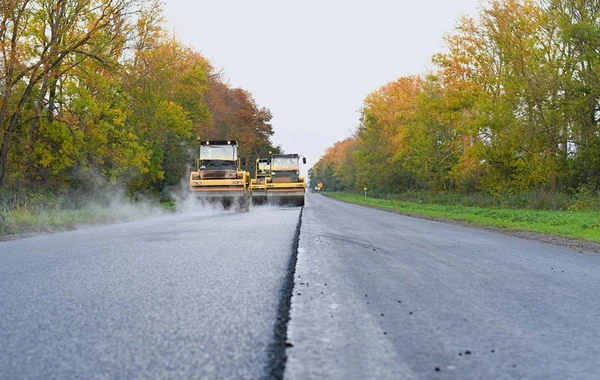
x=218, y=177
x=258, y=184
x=285, y=185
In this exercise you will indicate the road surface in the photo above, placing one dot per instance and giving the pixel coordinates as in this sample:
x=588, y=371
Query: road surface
x=194, y=296
x=375, y=295
x=380, y=295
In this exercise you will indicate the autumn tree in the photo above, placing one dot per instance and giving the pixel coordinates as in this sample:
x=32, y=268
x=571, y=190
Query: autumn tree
x=381, y=135
x=42, y=42
x=99, y=87
x=236, y=115
x=513, y=106
x=167, y=83
x=335, y=169
x=434, y=143
x=514, y=59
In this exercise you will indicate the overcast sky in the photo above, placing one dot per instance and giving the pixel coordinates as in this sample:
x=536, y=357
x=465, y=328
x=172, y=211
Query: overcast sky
x=313, y=62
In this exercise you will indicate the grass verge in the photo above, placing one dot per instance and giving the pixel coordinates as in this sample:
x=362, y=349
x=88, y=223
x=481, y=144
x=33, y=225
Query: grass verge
x=30, y=222
x=27, y=215
x=583, y=225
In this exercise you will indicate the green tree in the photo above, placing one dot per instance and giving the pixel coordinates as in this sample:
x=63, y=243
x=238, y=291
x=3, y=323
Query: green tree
x=381, y=135
x=578, y=37
x=41, y=42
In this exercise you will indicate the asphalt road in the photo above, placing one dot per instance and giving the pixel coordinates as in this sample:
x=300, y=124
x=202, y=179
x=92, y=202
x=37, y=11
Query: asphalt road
x=380, y=295
x=194, y=296
x=375, y=295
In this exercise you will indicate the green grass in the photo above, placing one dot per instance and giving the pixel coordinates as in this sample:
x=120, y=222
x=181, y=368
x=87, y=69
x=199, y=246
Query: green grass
x=18, y=222
x=584, y=225
x=34, y=213
x=168, y=205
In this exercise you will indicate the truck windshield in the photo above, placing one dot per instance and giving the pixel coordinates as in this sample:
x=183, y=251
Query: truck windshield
x=285, y=164
x=218, y=152
x=262, y=168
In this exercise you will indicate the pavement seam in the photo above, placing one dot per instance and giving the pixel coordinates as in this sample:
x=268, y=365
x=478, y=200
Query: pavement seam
x=277, y=349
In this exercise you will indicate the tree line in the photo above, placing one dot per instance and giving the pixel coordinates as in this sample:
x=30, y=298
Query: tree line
x=99, y=89
x=511, y=106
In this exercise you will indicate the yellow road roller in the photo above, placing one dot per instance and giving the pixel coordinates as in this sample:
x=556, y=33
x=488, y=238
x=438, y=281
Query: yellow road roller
x=285, y=186
x=218, y=177
x=258, y=184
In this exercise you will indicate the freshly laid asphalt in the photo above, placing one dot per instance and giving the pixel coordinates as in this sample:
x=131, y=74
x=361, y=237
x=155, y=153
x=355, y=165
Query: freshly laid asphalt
x=193, y=296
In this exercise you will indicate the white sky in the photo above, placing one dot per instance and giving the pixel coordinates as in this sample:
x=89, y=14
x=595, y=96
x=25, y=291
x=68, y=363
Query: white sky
x=311, y=62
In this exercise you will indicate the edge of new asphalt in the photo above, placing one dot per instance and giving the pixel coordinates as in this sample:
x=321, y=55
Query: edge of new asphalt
x=277, y=349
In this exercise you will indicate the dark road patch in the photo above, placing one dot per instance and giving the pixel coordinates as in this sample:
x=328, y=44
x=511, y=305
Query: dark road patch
x=277, y=349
